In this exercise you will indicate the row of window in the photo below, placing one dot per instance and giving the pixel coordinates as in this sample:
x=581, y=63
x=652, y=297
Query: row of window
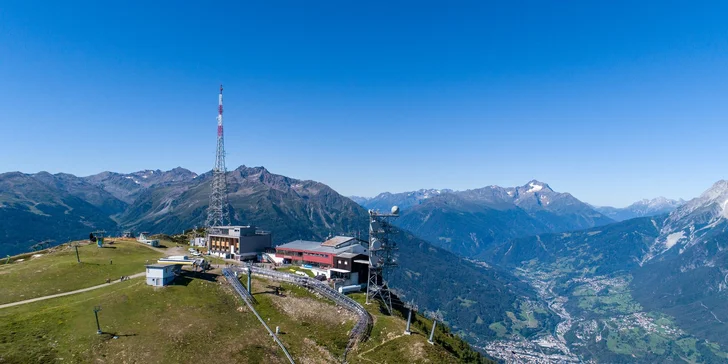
x=301, y=254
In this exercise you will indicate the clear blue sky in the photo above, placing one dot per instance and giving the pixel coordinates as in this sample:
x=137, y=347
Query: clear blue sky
x=612, y=101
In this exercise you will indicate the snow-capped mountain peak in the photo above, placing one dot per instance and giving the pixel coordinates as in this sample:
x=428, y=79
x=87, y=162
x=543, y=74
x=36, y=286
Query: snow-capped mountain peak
x=535, y=186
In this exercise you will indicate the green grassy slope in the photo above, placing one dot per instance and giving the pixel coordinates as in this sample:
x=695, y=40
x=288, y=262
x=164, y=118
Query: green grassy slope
x=196, y=322
x=202, y=320
x=58, y=271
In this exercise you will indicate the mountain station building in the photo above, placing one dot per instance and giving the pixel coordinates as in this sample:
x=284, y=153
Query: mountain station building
x=340, y=256
x=238, y=242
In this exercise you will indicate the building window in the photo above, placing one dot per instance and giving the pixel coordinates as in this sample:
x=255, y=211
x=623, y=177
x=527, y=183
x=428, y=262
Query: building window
x=346, y=263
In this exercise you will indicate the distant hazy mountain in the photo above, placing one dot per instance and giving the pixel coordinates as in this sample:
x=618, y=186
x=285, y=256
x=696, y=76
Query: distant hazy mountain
x=653, y=207
x=36, y=207
x=359, y=200
x=468, y=222
x=385, y=201
x=126, y=187
x=84, y=190
x=678, y=260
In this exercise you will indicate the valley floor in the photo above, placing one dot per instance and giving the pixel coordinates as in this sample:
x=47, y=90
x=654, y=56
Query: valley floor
x=600, y=322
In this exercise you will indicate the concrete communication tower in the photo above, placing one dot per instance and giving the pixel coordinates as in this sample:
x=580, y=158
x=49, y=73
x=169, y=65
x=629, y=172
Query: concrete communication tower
x=382, y=249
x=217, y=212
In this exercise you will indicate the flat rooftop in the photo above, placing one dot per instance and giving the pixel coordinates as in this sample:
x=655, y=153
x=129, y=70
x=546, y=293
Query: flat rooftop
x=337, y=240
x=313, y=246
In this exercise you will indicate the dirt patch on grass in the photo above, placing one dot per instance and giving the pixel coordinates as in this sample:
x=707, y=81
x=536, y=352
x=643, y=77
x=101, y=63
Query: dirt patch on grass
x=417, y=351
x=302, y=308
x=316, y=354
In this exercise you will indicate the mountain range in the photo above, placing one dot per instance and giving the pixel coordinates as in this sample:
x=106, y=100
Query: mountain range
x=62, y=206
x=469, y=222
x=642, y=208
x=668, y=258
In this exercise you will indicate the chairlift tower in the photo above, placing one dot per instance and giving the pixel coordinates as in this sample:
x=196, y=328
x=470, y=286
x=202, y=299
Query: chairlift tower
x=382, y=250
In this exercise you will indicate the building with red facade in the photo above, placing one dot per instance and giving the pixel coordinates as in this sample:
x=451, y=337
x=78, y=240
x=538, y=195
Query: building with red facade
x=341, y=256
x=320, y=254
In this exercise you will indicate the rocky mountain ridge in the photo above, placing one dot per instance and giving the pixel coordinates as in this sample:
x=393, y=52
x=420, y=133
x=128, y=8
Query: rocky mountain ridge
x=469, y=222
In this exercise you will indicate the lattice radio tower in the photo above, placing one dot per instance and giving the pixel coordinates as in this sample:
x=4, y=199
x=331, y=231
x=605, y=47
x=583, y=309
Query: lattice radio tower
x=217, y=212
x=382, y=249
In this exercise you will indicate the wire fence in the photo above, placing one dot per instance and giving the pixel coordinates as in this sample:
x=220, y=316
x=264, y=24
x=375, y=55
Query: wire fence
x=248, y=298
x=363, y=326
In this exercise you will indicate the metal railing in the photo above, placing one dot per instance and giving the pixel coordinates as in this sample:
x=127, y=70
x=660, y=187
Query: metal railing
x=248, y=299
x=363, y=326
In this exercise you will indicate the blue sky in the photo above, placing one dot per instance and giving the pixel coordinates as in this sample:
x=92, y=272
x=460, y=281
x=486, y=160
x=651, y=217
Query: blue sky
x=611, y=101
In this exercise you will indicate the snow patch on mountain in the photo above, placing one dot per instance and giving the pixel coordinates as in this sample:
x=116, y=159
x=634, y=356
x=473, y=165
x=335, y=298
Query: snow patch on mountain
x=673, y=238
x=534, y=188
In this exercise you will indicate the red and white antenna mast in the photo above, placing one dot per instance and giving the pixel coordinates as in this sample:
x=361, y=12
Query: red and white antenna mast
x=217, y=212
x=219, y=115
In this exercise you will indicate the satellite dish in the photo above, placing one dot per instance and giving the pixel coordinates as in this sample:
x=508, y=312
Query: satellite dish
x=376, y=244
x=395, y=210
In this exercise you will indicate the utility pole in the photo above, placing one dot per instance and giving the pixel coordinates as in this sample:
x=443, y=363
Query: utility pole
x=78, y=259
x=96, y=313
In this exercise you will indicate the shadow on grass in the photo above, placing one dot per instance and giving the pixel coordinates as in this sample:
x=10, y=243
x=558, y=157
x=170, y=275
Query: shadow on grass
x=186, y=277
x=112, y=335
x=108, y=247
x=274, y=290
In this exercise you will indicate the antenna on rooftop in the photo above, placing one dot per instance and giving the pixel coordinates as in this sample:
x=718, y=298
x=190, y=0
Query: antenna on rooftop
x=381, y=256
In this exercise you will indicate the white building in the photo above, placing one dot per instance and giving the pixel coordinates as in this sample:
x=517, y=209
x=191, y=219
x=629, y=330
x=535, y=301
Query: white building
x=159, y=275
x=198, y=242
x=144, y=240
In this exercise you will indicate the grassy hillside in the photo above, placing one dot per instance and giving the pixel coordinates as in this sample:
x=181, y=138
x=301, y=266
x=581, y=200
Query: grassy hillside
x=57, y=270
x=196, y=322
x=388, y=344
x=200, y=319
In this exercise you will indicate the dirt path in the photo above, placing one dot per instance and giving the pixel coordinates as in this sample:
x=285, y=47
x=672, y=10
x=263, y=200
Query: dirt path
x=66, y=293
x=361, y=355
